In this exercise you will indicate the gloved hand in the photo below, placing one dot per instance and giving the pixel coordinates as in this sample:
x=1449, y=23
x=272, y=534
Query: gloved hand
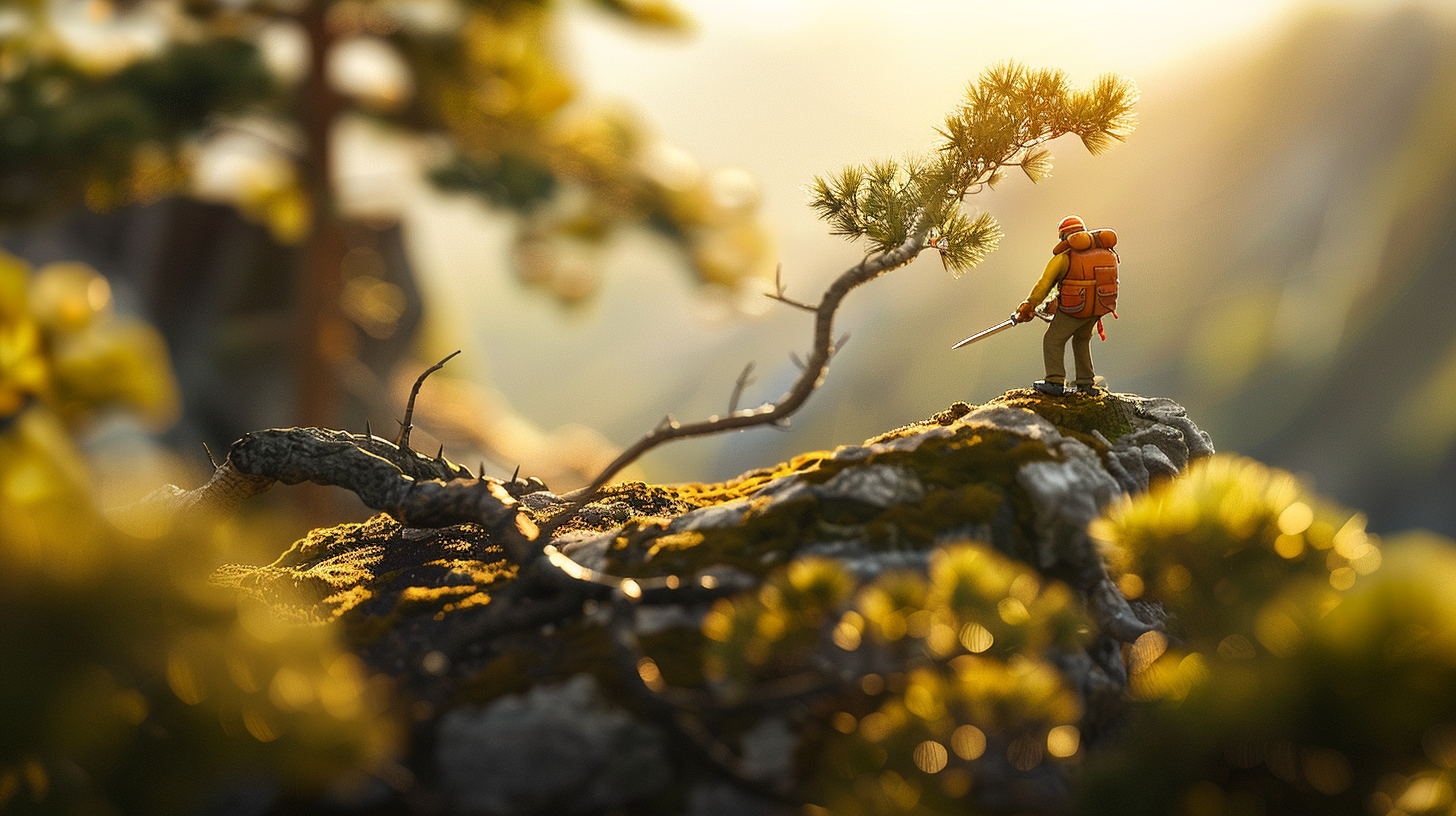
x=1024, y=311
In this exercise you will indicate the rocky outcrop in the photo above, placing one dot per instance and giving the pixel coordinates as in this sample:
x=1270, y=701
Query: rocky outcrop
x=563, y=695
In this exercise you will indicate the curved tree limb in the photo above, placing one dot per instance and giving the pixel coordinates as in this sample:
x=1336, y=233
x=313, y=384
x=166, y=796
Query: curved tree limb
x=815, y=367
x=433, y=492
x=415, y=489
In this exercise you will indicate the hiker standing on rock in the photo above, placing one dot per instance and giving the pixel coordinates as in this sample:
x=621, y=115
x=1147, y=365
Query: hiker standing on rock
x=1084, y=270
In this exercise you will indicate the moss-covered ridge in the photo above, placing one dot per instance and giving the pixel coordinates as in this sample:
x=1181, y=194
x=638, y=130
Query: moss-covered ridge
x=961, y=474
x=990, y=473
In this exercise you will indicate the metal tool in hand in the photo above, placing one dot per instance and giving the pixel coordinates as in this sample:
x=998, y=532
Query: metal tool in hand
x=1006, y=324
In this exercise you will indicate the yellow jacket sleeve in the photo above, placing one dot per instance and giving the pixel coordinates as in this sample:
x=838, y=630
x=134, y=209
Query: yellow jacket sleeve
x=1056, y=269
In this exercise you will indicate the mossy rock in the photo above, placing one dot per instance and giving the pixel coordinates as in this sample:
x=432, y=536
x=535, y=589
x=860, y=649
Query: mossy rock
x=1023, y=473
x=960, y=475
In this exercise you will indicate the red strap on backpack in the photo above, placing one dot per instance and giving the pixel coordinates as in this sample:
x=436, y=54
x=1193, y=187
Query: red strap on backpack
x=1101, y=332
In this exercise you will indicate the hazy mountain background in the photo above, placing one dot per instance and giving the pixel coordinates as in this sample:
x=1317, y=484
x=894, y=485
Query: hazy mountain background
x=1287, y=214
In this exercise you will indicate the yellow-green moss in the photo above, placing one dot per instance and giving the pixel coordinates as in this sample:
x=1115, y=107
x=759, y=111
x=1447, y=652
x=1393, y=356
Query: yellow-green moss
x=705, y=494
x=1076, y=415
x=644, y=501
x=968, y=476
x=373, y=573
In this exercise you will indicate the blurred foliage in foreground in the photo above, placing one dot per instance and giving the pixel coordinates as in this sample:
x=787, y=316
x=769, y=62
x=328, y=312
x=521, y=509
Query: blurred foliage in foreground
x=128, y=684
x=956, y=675
x=1302, y=670
x=1307, y=670
x=61, y=346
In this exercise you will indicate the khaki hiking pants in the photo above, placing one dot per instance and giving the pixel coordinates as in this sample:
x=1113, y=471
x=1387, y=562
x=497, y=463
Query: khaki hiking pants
x=1054, y=347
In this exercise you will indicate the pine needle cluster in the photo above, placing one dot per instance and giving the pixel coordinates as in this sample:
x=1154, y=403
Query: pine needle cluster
x=1006, y=118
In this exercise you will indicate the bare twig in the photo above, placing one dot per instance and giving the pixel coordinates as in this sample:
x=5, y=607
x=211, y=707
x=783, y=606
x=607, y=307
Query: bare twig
x=797, y=304
x=779, y=293
x=743, y=381
x=409, y=410
x=209, y=455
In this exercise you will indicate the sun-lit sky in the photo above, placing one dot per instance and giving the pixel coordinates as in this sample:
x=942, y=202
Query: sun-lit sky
x=1092, y=36
x=798, y=86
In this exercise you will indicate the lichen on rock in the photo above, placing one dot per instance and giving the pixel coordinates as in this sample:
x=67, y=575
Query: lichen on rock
x=1028, y=471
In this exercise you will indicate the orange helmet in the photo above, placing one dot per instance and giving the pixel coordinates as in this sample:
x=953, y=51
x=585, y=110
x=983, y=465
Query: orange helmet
x=1069, y=225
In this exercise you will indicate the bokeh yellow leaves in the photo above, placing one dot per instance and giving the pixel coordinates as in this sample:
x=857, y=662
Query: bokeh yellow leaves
x=1219, y=545
x=954, y=674
x=61, y=345
x=1308, y=668
x=128, y=683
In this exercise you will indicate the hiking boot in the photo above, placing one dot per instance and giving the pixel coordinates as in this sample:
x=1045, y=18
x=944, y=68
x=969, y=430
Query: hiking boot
x=1087, y=388
x=1054, y=389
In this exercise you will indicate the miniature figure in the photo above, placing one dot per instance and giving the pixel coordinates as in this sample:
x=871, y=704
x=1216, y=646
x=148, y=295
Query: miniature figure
x=1084, y=270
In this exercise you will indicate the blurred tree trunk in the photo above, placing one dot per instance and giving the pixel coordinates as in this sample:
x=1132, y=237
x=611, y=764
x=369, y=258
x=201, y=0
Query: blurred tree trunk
x=324, y=337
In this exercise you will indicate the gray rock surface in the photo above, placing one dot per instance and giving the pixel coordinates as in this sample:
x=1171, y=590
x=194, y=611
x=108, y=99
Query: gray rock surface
x=557, y=749
x=875, y=485
x=719, y=515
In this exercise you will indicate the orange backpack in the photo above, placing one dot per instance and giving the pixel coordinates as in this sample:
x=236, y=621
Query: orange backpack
x=1089, y=288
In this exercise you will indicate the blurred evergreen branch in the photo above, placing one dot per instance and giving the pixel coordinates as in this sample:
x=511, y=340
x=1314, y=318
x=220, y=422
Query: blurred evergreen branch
x=126, y=103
